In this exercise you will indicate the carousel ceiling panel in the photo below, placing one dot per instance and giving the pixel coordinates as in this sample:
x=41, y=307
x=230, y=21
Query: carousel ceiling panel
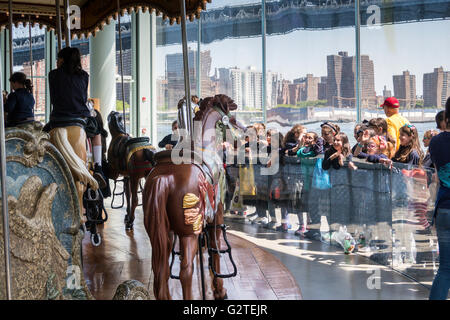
x=94, y=13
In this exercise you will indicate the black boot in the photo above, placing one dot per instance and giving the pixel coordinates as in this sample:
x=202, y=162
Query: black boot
x=98, y=175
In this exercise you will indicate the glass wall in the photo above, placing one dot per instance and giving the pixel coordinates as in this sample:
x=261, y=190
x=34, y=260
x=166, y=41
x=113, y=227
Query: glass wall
x=32, y=64
x=170, y=73
x=231, y=55
x=128, y=81
x=302, y=62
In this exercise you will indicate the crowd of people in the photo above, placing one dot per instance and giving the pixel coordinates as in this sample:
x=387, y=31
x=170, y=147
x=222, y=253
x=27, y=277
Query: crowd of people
x=380, y=140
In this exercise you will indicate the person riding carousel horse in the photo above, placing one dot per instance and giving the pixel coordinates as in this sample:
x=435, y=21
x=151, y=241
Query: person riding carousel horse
x=180, y=198
x=73, y=121
x=19, y=105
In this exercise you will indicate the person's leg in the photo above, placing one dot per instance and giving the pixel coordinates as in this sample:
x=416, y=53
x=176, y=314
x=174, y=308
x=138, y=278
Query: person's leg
x=441, y=283
x=284, y=220
x=261, y=207
x=273, y=217
x=97, y=151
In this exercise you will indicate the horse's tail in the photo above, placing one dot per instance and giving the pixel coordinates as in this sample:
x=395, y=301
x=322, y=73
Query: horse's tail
x=157, y=225
x=76, y=165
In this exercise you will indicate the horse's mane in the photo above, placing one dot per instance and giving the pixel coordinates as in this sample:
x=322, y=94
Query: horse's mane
x=219, y=100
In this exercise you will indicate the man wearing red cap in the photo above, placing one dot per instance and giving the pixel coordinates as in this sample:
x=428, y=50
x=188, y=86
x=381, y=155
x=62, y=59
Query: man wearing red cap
x=394, y=120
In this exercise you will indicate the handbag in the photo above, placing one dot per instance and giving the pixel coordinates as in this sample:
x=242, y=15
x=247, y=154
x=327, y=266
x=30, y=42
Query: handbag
x=321, y=178
x=247, y=181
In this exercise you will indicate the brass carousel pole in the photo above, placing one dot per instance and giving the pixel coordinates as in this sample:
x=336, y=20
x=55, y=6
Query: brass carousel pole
x=58, y=25
x=10, y=12
x=187, y=86
x=121, y=67
x=5, y=212
x=31, y=50
x=66, y=20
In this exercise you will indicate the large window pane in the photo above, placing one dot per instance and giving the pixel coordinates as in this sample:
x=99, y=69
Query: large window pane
x=170, y=71
x=411, y=63
x=231, y=55
x=22, y=62
x=311, y=65
x=127, y=56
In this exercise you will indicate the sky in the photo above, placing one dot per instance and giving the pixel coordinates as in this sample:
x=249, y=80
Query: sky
x=418, y=47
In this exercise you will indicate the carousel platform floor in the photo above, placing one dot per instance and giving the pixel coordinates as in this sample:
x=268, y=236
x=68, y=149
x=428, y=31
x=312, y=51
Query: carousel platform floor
x=127, y=255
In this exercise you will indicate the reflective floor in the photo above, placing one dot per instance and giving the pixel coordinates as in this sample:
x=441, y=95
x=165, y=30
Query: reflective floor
x=271, y=265
x=324, y=272
x=127, y=255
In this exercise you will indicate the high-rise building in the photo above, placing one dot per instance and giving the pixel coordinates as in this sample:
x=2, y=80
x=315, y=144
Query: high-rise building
x=405, y=89
x=322, y=89
x=341, y=82
x=175, y=76
x=245, y=86
x=386, y=93
x=271, y=89
x=436, y=88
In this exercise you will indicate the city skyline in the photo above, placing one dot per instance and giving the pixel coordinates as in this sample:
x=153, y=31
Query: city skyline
x=337, y=87
x=417, y=47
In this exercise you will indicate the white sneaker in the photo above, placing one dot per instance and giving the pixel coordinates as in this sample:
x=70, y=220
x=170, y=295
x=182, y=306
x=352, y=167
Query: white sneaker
x=262, y=220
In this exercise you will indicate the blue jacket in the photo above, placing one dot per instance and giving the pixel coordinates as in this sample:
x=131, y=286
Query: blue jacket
x=19, y=106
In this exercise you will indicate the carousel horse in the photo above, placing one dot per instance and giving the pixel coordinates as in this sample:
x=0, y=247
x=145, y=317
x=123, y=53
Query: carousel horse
x=180, y=198
x=69, y=137
x=129, y=157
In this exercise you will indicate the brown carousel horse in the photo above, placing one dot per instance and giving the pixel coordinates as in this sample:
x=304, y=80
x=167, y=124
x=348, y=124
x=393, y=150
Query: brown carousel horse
x=129, y=157
x=179, y=198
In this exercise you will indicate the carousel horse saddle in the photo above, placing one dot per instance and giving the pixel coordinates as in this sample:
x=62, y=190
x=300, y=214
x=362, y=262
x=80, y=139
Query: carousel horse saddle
x=64, y=122
x=125, y=146
x=165, y=157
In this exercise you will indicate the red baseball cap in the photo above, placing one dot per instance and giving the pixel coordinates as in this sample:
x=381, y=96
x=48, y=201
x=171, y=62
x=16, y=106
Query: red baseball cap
x=391, y=102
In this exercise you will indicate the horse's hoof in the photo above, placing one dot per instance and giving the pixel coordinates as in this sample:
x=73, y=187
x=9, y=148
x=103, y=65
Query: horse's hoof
x=221, y=296
x=129, y=227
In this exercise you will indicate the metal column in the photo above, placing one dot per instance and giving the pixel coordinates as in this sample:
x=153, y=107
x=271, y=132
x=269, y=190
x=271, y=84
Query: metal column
x=264, y=78
x=198, y=62
x=66, y=20
x=5, y=211
x=31, y=50
x=58, y=25
x=187, y=87
x=358, y=62
x=11, y=64
x=121, y=68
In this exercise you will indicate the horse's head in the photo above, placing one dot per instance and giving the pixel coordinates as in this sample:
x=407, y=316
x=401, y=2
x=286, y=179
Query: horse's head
x=220, y=106
x=115, y=123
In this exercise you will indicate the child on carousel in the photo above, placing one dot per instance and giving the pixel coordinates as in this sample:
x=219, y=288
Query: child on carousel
x=68, y=85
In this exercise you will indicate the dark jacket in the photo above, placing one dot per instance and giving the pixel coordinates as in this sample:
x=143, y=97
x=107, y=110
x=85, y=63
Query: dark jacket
x=19, y=106
x=68, y=94
x=167, y=140
x=413, y=158
x=327, y=163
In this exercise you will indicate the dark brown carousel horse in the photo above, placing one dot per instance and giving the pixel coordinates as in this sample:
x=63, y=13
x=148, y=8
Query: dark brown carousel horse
x=129, y=157
x=179, y=198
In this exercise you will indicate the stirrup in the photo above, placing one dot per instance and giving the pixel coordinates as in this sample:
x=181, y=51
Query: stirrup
x=212, y=251
x=174, y=253
x=114, y=194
